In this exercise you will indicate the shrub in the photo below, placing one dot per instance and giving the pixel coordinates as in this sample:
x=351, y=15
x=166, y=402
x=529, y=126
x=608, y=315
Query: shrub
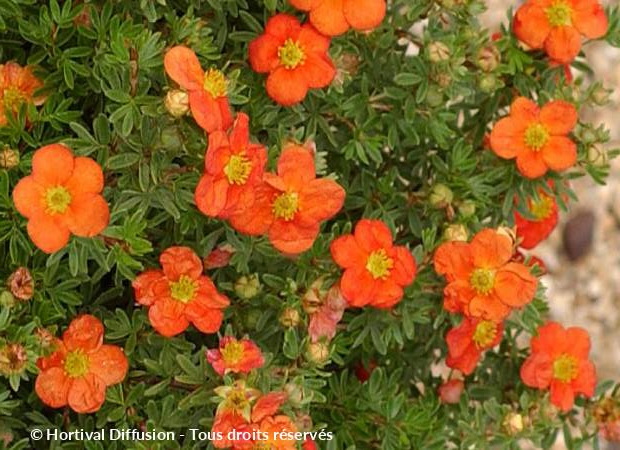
x=293, y=216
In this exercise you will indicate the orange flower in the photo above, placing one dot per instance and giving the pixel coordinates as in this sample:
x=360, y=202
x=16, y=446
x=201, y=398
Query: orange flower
x=559, y=362
x=450, y=391
x=482, y=281
x=545, y=212
x=17, y=86
x=235, y=356
x=179, y=294
x=468, y=340
x=233, y=168
x=208, y=95
x=62, y=196
x=537, y=137
x=273, y=434
x=290, y=206
x=81, y=368
x=376, y=270
x=295, y=57
x=557, y=25
x=334, y=17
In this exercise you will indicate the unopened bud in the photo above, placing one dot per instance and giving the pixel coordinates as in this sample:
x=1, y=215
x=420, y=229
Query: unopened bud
x=489, y=58
x=9, y=158
x=317, y=352
x=467, y=208
x=513, y=423
x=219, y=257
x=456, y=232
x=13, y=359
x=247, y=286
x=21, y=284
x=7, y=300
x=440, y=196
x=177, y=102
x=488, y=83
x=510, y=233
x=295, y=394
x=45, y=337
x=597, y=156
x=450, y=391
x=600, y=95
x=289, y=318
x=313, y=298
x=438, y=52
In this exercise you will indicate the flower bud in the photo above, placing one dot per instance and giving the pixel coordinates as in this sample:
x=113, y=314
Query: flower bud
x=9, y=158
x=438, y=52
x=489, y=58
x=295, y=394
x=450, y=391
x=303, y=422
x=513, y=423
x=45, y=338
x=7, y=300
x=456, y=232
x=247, y=286
x=219, y=257
x=440, y=196
x=289, y=318
x=313, y=298
x=467, y=208
x=443, y=80
x=510, y=233
x=597, y=156
x=177, y=102
x=488, y=83
x=13, y=359
x=21, y=284
x=600, y=95
x=317, y=352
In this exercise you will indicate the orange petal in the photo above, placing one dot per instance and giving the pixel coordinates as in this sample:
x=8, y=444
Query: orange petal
x=167, y=317
x=52, y=387
x=466, y=362
x=457, y=295
x=579, y=342
x=459, y=338
x=88, y=215
x=358, y=287
x=531, y=24
x=563, y=44
x=87, y=394
x=263, y=53
x=48, y=233
x=373, y=235
x=257, y=219
x=537, y=371
x=109, y=363
x=560, y=153
x=585, y=383
x=211, y=195
x=177, y=261
x=490, y=249
x=84, y=332
x=515, y=285
x=531, y=164
x=313, y=42
x=52, y=164
x=319, y=71
x=404, y=270
x=551, y=339
x=287, y=87
x=364, y=14
x=143, y=286
x=283, y=26
x=346, y=253
x=296, y=167
x=240, y=133
x=87, y=176
x=182, y=65
x=28, y=197
x=387, y=294
x=524, y=111
x=320, y=200
x=454, y=260
x=589, y=18
x=487, y=307
x=268, y=405
x=290, y=238
x=328, y=17
x=559, y=117
x=218, y=152
x=209, y=296
x=562, y=395
x=507, y=139
x=206, y=111
x=304, y=5
x=206, y=320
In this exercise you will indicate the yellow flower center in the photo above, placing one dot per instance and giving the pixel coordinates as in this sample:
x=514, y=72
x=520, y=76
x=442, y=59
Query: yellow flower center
x=291, y=54
x=232, y=352
x=541, y=209
x=559, y=14
x=184, y=289
x=379, y=264
x=482, y=280
x=76, y=363
x=286, y=205
x=215, y=83
x=565, y=368
x=238, y=169
x=536, y=136
x=12, y=98
x=57, y=200
x=485, y=333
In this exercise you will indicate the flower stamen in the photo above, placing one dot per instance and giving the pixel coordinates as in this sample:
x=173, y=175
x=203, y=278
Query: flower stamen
x=485, y=333
x=565, y=368
x=215, y=83
x=286, y=206
x=184, y=289
x=379, y=264
x=559, y=14
x=291, y=54
x=482, y=280
x=76, y=363
x=57, y=200
x=238, y=169
x=536, y=136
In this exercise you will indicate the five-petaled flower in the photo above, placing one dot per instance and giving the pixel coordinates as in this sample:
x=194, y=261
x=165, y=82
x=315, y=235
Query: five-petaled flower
x=376, y=270
x=179, y=294
x=61, y=197
x=233, y=168
x=531, y=232
x=335, y=17
x=17, y=86
x=295, y=57
x=81, y=368
x=557, y=25
x=208, y=91
x=238, y=356
x=559, y=362
x=482, y=281
x=290, y=205
x=468, y=340
x=536, y=137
